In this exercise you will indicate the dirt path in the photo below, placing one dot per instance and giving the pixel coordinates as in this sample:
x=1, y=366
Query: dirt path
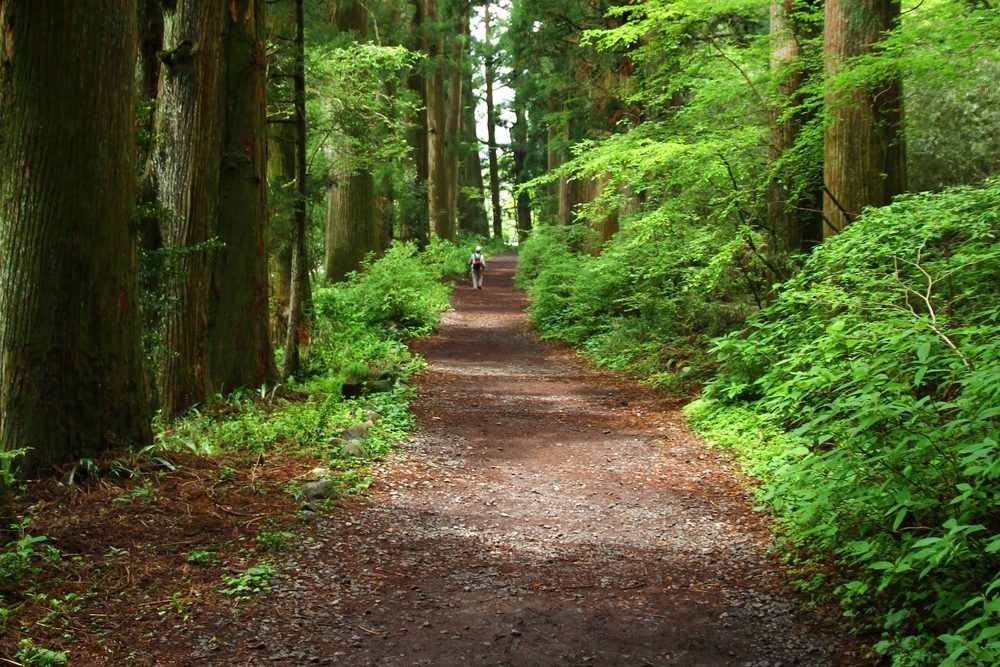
x=544, y=514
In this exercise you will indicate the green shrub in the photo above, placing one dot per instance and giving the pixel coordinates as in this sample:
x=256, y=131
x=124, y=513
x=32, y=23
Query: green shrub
x=399, y=292
x=648, y=303
x=882, y=359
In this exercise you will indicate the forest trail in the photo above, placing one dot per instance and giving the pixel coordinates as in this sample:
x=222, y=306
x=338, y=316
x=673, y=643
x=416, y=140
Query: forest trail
x=543, y=514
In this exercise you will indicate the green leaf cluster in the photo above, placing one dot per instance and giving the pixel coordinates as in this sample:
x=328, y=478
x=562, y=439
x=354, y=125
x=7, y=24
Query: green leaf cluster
x=881, y=359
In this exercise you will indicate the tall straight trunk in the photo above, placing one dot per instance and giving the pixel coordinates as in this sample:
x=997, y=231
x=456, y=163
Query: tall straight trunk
x=299, y=288
x=453, y=121
x=281, y=154
x=437, y=158
x=351, y=230
x=471, y=203
x=415, y=224
x=189, y=129
x=351, y=224
x=519, y=141
x=239, y=352
x=863, y=150
x=491, y=129
x=70, y=370
x=793, y=221
x=564, y=186
x=553, y=158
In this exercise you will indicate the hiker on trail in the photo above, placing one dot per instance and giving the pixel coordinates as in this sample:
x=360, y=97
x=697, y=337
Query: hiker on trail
x=477, y=263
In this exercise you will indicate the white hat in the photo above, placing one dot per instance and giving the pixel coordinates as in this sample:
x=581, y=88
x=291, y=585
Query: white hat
x=479, y=248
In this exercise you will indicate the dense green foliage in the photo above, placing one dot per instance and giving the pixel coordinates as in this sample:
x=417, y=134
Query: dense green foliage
x=648, y=303
x=881, y=359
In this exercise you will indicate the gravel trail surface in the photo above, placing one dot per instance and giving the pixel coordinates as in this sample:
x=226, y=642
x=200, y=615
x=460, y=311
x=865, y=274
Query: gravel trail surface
x=543, y=514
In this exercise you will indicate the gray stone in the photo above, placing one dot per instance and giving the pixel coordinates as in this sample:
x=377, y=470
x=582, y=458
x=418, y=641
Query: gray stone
x=357, y=431
x=319, y=489
x=353, y=448
x=378, y=385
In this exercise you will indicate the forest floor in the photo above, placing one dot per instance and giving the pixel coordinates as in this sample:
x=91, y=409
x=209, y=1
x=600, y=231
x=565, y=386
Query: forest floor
x=543, y=513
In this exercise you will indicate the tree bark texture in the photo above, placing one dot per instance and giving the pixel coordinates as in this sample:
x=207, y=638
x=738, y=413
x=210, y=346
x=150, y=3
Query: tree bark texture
x=437, y=157
x=239, y=342
x=281, y=157
x=453, y=122
x=415, y=224
x=793, y=220
x=189, y=130
x=298, y=292
x=352, y=225
x=864, y=153
x=70, y=368
x=519, y=141
x=491, y=130
x=471, y=208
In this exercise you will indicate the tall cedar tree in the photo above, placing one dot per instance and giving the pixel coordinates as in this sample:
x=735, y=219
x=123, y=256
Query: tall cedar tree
x=299, y=292
x=863, y=151
x=434, y=99
x=70, y=377
x=491, y=126
x=352, y=223
x=793, y=219
x=281, y=155
x=189, y=130
x=239, y=343
x=210, y=121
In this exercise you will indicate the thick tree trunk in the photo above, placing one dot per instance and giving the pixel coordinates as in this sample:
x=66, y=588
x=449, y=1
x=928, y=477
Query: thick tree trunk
x=70, y=371
x=864, y=153
x=437, y=158
x=239, y=352
x=189, y=130
x=351, y=222
x=491, y=129
x=793, y=221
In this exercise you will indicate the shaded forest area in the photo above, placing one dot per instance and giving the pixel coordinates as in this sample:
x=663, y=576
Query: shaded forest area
x=220, y=221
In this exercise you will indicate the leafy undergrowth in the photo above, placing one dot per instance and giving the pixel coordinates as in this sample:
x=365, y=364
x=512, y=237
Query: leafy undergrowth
x=647, y=304
x=109, y=550
x=866, y=399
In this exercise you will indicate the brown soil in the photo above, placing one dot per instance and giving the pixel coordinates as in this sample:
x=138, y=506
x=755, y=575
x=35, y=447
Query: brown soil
x=544, y=513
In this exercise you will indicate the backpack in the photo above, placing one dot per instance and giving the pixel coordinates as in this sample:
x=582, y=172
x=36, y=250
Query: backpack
x=477, y=262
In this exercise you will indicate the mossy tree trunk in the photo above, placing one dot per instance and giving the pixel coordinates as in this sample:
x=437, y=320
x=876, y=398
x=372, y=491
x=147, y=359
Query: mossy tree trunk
x=863, y=150
x=239, y=352
x=70, y=370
